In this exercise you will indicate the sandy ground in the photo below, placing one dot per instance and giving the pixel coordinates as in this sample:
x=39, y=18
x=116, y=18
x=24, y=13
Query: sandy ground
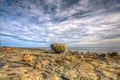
x=46, y=65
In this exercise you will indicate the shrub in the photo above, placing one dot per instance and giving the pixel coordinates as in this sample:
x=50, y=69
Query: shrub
x=58, y=47
x=114, y=54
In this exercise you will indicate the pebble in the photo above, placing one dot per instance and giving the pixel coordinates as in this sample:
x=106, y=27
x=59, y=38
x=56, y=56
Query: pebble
x=44, y=75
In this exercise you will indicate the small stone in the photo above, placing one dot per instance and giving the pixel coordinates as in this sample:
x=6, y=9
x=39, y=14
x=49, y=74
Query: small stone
x=26, y=57
x=2, y=63
x=5, y=67
x=12, y=74
x=64, y=78
x=38, y=66
x=52, y=60
x=44, y=75
x=44, y=62
x=118, y=76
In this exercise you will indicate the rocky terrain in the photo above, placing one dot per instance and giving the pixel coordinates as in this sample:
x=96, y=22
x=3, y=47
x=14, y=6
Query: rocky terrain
x=40, y=64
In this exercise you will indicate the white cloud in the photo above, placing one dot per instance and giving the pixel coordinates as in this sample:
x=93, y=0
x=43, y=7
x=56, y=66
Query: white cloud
x=90, y=28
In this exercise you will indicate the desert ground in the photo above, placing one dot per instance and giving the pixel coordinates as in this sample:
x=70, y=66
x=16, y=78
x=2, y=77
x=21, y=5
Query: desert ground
x=41, y=64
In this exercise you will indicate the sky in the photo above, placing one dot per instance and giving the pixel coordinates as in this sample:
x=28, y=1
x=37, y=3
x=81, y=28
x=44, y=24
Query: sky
x=77, y=23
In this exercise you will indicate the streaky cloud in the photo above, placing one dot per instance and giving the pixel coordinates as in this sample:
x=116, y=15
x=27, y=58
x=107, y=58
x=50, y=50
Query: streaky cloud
x=75, y=22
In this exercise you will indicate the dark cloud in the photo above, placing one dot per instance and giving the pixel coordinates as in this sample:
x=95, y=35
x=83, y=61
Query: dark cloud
x=113, y=36
x=82, y=14
x=68, y=3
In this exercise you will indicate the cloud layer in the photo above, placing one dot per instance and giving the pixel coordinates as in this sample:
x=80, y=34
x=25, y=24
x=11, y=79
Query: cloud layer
x=74, y=22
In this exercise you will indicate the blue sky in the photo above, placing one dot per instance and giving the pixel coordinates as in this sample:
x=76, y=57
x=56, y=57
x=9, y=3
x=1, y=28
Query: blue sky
x=78, y=23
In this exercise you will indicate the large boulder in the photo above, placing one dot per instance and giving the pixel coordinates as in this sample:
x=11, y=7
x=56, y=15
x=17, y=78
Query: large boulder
x=58, y=47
